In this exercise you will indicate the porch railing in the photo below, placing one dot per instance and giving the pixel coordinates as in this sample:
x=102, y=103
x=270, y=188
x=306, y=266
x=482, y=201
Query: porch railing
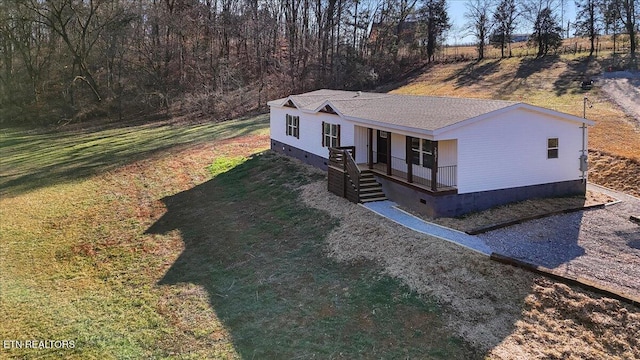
x=336, y=155
x=446, y=175
x=343, y=160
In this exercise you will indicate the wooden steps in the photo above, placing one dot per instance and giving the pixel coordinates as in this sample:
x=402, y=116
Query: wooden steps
x=370, y=189
x=346, y=179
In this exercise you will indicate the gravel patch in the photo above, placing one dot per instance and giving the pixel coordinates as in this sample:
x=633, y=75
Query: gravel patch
x=600, y=245
x=623, y=88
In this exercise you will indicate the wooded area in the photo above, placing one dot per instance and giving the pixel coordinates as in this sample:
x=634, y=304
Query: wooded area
x=63, y=60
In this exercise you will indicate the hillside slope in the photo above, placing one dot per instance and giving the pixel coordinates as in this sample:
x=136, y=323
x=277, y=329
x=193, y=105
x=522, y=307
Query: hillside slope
x=552, y=82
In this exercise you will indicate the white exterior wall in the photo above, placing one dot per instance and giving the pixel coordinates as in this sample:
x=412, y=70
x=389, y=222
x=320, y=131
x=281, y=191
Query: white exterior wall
x=510, y=150
x=362, y=138
x=447, y=152
x=310, y=130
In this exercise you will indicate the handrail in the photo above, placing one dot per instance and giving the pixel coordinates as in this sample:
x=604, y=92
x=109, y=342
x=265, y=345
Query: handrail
x=342, y=158
x=353, y=170
x=336, y=158
x=351, y=149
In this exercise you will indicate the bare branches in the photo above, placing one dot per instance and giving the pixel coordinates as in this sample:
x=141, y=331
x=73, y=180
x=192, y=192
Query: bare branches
x=479, y=22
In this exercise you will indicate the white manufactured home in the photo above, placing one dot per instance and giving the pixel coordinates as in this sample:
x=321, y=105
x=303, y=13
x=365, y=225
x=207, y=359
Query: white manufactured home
x=436, y=155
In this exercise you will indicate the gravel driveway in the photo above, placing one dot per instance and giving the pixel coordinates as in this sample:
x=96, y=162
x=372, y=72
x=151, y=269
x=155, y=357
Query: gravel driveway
x=601, y=245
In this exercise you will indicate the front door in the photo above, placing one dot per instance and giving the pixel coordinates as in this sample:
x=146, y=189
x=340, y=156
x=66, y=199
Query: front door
x=382, y=146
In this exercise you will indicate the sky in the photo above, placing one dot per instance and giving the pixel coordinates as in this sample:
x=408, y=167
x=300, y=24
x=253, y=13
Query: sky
x=457, y=8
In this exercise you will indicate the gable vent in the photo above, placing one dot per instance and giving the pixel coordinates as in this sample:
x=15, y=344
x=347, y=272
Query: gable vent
x=328, y=109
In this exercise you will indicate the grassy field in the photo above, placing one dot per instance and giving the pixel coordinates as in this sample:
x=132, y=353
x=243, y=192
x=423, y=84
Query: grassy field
x=135, y=245
x=32, y=159
x=575, y=45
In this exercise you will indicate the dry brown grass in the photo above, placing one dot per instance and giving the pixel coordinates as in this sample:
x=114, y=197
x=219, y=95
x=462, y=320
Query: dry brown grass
x=559, y=322
x=506, y=312
x=614, y=171
x=522, y=49
x=521, y=210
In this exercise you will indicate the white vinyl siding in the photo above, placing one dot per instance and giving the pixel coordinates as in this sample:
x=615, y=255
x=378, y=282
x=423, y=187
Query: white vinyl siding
x=510, y=150
x=361, y=141
x=310, y=130
x=447, y=152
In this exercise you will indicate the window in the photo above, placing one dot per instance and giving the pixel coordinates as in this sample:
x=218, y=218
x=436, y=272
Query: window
x=552, y=148
x=422, y=152
x=330, y=135
x=293, y=126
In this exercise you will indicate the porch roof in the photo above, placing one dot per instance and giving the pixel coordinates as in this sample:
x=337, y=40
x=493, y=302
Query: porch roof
x=426, y=113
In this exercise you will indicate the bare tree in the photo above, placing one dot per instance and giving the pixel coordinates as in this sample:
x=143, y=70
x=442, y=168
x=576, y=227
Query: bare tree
x=587, y=20
x=79, y=24
x=546, y=32
x=629, y=12
x=610, y=19
x=504, y=19
x=477, y=15
x=434, y=14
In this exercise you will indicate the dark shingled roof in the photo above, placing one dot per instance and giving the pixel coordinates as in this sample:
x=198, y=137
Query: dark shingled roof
x=422, y=112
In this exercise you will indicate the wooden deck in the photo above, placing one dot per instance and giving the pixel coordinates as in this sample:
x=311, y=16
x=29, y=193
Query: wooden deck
x=401, y=177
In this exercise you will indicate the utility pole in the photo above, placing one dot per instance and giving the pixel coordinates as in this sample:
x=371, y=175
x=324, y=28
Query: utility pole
x=584, y=166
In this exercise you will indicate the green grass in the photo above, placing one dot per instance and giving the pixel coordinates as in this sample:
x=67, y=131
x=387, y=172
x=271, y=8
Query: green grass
x=32, y=160
x=137, y=262
x=224, y=164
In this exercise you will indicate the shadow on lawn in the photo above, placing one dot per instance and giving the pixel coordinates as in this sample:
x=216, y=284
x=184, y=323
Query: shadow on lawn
x=259, y=253
x=578, y=70
x=34, y=160
x=474, y=73
x=509, y=83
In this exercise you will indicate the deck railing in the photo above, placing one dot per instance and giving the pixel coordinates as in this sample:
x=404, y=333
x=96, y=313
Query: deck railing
x=446, y=175
x=353, y=170
x=343, y=160
x=336, y=155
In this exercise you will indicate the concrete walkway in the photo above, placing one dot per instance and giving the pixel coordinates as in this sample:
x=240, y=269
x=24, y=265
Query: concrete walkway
x=389, y=210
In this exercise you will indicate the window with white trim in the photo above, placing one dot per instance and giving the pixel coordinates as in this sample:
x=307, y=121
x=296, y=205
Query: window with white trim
x=552, y=148
x=293, y=126
x=331, y=135
x=422, y=152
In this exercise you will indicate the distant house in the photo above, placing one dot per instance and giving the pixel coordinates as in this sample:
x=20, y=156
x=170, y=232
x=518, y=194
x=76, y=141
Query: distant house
x=436, y=155
x=519, y=38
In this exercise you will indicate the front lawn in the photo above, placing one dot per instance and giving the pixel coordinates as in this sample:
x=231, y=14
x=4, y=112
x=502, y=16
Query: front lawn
x=136, y=248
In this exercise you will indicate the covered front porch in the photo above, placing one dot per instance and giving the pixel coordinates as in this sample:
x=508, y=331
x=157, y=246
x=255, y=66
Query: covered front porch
x=424, y=164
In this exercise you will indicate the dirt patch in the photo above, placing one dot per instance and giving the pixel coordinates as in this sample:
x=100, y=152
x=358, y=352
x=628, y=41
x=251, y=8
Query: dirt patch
x=521, y=210
x=561, y=323
x=505, y=312
x=623, y=88
x=615, y=172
